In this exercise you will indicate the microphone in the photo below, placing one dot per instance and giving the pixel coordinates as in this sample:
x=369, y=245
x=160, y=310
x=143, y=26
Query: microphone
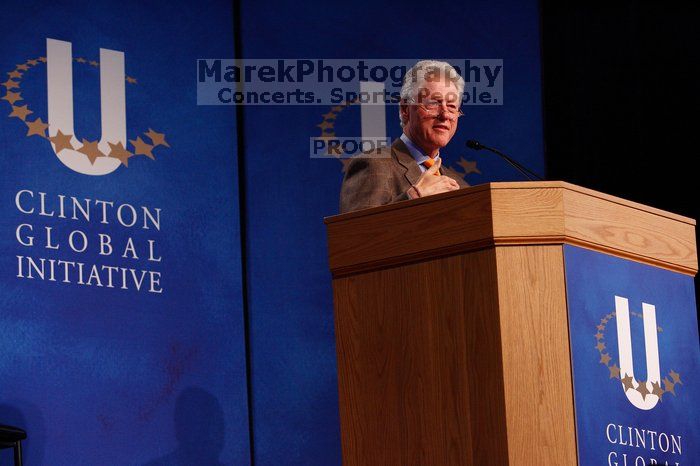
x=476, y=145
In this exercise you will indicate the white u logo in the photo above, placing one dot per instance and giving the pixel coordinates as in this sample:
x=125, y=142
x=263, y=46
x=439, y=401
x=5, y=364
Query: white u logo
x=651, y=343
x=59, y=66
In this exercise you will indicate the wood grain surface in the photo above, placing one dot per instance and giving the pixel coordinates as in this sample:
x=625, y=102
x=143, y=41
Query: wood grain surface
x=536, y=355
x=510, y=214
x=419, y=364
x=457, y=361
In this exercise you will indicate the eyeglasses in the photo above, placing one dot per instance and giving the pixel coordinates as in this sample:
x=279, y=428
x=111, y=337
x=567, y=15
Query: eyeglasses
x=434, y=107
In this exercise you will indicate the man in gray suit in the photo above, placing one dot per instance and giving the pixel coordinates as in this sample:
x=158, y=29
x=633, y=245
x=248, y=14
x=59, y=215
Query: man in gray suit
x=429, y=110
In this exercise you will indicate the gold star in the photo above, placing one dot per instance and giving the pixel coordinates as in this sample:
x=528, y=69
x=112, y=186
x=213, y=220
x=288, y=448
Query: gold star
x=676, y=377
x=337, y=108
x=142, y=148
x=80, y=60
x=20, y=112
x=604, y=320
x=22, y=67
x=37, y=128
x=600, y=346
x=329, y=116
x=131, y=80
x=12, y=97
x=158, y=139
x=627, y=382
x=657, y=390
x=598, y=336
x=467, y=166
x=325, y=125
x=91, y=150
x=94, y=63
x=604, y=359
x=614, y=371
x=42, y=59
x=61, y=141
x=10, y=84
x=32, y=62
x=600, y=327
x=119, y=152
x=659, y=329
x=669, y=386
x=14, y=74
x=643, y=390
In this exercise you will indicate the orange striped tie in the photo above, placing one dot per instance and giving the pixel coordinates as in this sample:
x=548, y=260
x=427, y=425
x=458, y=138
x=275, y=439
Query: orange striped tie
x=429, y=163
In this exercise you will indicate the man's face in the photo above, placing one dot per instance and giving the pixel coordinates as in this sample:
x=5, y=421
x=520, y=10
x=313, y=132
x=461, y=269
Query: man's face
x=428, y=125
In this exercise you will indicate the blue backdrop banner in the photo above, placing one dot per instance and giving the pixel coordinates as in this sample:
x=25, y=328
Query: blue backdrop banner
x=121, y=331
x=290, y=188
x=634, y=345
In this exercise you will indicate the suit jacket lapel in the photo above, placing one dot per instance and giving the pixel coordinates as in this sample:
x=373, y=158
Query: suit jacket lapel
x=412, y=171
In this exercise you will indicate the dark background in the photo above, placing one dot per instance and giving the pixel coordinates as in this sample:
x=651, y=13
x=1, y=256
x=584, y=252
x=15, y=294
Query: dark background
x=620, y=99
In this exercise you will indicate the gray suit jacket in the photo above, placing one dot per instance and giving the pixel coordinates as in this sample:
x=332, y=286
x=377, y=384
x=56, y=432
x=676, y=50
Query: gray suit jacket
x=371, y=182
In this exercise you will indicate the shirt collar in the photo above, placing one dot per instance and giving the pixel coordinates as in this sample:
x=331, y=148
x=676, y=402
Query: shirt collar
x=417, y=154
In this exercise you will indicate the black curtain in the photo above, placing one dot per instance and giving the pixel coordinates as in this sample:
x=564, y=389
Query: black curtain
x=620, y=99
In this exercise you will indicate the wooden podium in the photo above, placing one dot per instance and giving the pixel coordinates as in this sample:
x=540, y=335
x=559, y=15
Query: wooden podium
x=451, y=319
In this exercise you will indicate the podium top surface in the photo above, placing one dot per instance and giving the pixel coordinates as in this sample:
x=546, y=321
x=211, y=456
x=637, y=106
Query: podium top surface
x=510, y=213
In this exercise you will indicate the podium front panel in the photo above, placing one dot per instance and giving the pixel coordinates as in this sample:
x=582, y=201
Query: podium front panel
x=636, y=362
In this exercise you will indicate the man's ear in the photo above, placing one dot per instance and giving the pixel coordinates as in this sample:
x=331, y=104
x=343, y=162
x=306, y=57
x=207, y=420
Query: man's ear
x=403, y=106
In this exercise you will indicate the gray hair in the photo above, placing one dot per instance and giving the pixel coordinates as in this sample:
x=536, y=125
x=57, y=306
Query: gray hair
x=415, y=77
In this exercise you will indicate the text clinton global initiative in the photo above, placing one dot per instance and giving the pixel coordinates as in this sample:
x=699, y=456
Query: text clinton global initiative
x=127, y=238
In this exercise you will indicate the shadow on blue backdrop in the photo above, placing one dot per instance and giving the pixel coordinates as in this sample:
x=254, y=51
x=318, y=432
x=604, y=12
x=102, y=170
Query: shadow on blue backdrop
x=199, y=429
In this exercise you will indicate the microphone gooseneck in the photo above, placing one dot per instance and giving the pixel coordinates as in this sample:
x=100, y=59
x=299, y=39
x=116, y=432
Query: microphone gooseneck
x=530, y=175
